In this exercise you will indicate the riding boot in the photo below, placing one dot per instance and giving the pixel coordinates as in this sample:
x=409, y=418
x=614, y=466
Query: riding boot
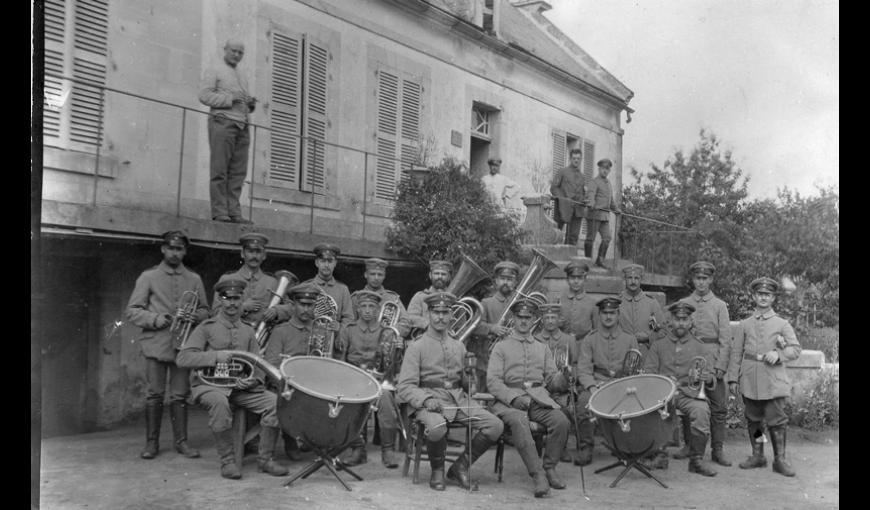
x=696, y=462
x=683, y=453
x=553, y=479
x=387, y=442
x=717, y=436
x=602, y=253
x=458, y=472
x=178, y=416
x=436, y=450
x=542, y=485
x=357, y=454
x=587, y=443
x=659, y=460
x=587, y=248
x=265, y=462
x=778, y=438
x=291, y=447
x=224, y=445
x=757, y=459
x=153, y=419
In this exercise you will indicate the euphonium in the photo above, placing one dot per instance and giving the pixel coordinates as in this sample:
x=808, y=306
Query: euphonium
x=631, y=362
x=467, y=312
x=322, y=336
x=285, y=279
x=183, y=320
x=696, y=382
x=240, y=367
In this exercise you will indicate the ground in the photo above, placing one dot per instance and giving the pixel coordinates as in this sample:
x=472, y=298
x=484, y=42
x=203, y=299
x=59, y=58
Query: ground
x=103, y=471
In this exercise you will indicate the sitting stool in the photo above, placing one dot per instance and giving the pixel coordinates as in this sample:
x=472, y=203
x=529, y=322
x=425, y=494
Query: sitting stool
x=242, y=434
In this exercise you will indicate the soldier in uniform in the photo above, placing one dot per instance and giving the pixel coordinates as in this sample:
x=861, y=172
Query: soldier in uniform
x=602, y=354
x=639, y=313
x=153, y=304
x=757, y=371
x=565, y=349
x=430, y=382
x=712, y=327
x=489, y=330
x=599, y=196
x=360, y=345
x=260, y=285
x=673, y=356
x=207, y=346
x=569, y=190
x=290, y=338
x=375, y=273
x=519, y=373
x=440, y=274
x=325, y=260
x=578, y=308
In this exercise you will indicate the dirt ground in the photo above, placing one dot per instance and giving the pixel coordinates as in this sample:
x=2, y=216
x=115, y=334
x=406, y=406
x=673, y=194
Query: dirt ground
x=103, y=471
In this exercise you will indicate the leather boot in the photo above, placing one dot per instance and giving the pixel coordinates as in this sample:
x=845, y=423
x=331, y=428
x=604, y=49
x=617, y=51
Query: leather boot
x=717, y=437
x=435, y=450
x=587, y=248
x=780, y=464
x=566, y=456
x=357, y=454
x=587, y=443
x=602, y=253
x=178, y=416
x=291, y=447
x=757, y=459
x=659, y=460
x=265, y=462
x=542, y=485
x=224, y=445
x=153, y=419
x=458, y=472
x=553, y=479
x=388, y=458
x=683, y=453
x=696, y=462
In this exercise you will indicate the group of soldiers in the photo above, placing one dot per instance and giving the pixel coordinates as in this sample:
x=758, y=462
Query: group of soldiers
x=543, y=367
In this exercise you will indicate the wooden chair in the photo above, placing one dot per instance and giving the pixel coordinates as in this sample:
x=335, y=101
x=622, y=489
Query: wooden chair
x=539, y=434
x=242, y=433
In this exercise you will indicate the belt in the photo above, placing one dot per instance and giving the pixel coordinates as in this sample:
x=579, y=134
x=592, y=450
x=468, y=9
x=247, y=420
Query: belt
x=753, y=357
x=605, y=372
x=446, y=385
x=643, y=340
x=525, y=385
x=707, y=340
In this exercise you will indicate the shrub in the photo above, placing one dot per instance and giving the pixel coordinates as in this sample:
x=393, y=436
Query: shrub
x=826, y=340
x=820, y=407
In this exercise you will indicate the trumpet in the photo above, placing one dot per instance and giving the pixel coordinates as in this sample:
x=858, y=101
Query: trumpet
x=183, y=320
x=696, y=382
x=322, y=337
x=631, y=363
x=285, y=279
x=389, y=314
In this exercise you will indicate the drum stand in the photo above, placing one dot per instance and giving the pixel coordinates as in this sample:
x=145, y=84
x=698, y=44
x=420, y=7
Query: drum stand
x=329, y=459
x=629, y=461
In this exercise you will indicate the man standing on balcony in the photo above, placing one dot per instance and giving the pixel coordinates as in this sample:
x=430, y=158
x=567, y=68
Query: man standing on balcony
x=225, y=91
x=569, y=189
x=326, y=259
x=639, y=313
x=712, y=327
x=599, y=195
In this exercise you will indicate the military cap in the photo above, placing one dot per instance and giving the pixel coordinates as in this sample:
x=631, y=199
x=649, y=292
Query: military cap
x=702, y=267
x=439, y=301
x=304, y=293
x=525, y=307
x=440, y=264
x=230, y=287
x=605, y=162
x=253, y=240
x=577, y=266
x=491, y=161
x=551, y=308
x=507, y=268
x=376, y=263
x=175, y=235
x=607, y=304
x=632, y=269
x=366, y=295
x=327, y=249
x=764, y=284
x=681, y=309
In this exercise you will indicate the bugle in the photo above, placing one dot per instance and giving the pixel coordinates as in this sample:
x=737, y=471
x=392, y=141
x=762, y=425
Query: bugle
x=696, y=376
x=285, y=279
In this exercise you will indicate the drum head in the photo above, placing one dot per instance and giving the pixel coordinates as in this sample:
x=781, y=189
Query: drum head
x=329, y=379
x=632, y=396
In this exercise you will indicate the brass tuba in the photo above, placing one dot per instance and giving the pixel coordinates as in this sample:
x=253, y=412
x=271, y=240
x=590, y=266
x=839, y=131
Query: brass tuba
x=322, y=337
x=285, y=279
x=631, y=363
x=183, y=320
x=467, y=312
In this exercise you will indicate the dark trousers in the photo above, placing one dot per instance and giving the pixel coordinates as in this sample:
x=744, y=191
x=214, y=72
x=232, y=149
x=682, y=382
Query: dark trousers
x=572, y=230
x=770, y=411
x=155, y=378
x=718, y=399
x=600, y=226
x=229, y=165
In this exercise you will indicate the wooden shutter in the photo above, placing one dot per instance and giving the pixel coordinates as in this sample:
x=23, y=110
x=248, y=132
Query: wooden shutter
x=285, y=111
x=315, y=88
x=559, y=153
x=410, y=122
x=89, y=64
x=387, y=131
x=588, y=159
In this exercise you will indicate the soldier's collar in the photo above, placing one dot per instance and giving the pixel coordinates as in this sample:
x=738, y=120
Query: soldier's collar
x=706, y=297
x=294, y=321
x=626, y=296
x=247, y=274
x=172, y=270
x=320, y=281
x=223, y=319
x=576, y=295
x=766, y=315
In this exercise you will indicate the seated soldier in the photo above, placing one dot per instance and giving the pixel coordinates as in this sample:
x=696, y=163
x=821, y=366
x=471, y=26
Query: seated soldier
x=430, y=382
x=602, y=354
x=360, y=344
x=207, y=346
x=519, y=372
x=673, y=356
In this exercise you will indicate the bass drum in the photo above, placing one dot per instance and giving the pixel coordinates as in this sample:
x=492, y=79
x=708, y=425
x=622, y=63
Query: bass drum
x=636, y=413
x=328, y=402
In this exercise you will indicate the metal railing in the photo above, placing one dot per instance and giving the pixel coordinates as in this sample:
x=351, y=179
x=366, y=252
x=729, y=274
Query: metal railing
x=660, y=247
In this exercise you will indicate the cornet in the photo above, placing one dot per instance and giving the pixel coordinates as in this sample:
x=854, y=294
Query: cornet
x=183, y=320
x=696, y=382
x=322, y=336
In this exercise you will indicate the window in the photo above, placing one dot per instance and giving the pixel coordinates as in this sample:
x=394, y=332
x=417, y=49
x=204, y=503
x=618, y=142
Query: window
x=298, y=120
x=480, y=122
x=76, y=33
x=398, y=129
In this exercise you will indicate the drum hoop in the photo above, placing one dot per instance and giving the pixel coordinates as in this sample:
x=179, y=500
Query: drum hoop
x=625, y=416
x=331, y=398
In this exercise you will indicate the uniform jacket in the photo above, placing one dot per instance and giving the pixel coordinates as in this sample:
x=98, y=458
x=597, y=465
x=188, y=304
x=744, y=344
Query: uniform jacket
x=603, y=350
x=287, y=339
x=359, y=344
x=761, y=333
x=711, y=321
x=158, y=291
x=569, y=183
x=418, y=311
x=339, y=293
x=673, y=357
x=634, y=314
x=493, y=307
x=259, y=288
x=579, y=313
x=520, y=365
x=599, y=196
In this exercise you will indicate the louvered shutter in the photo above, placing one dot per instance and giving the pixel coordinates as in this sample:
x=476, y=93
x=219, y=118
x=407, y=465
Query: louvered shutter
x=55, y=22
x=559, y=150
x=387, y=131
x=588, y=159
x=315, y=89
x=89, y=64
x=410, y=121
x=285, y=111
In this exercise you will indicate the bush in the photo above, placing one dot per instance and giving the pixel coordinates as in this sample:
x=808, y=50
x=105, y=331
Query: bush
x=820, y=407
x=826, y=340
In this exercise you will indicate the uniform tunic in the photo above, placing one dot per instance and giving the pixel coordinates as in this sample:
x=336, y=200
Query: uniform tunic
x=360, y=348
x=418, y=311
x=564, y=347
x=339, y=292
x=569, y=183
x=259, y=288
x=758, y=335
x=634, y=314
x=579, y=313
x=287, y=339
x=599, y=195
x=602, y=353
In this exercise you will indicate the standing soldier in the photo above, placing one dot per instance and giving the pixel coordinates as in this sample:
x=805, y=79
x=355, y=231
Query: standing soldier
x=578, y=308
x=440, y=274
x=260, y=285
x=207, y=346
x=712, y=327
x=757, y=371
x=325, y=260
x=599, y=196
x=156, y=299
x=602, y=354
x=569, y=190
x=375, y=273
x=639, y=313
x=520, y=372
x=673, y=357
